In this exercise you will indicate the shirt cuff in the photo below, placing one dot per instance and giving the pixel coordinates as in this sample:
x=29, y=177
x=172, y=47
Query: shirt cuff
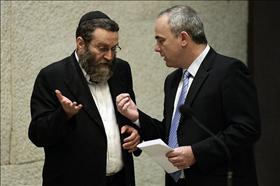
x=137, y=123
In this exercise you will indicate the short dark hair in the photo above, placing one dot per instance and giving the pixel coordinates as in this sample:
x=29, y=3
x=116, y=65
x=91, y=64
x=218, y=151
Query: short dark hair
x=86, y=28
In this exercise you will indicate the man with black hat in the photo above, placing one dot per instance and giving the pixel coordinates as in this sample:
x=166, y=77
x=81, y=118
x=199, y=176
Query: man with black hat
x=86, y=141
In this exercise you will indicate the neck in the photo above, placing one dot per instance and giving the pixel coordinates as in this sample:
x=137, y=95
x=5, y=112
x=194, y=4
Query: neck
x=192, y=52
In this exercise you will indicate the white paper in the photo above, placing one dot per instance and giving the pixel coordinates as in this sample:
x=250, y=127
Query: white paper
x=157, y=149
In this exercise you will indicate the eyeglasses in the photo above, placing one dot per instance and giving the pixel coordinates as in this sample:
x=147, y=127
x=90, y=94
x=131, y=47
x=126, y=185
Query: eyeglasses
x=105, y=49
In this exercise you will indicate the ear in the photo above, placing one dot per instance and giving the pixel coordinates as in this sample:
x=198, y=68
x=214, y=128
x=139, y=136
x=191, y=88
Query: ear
x=80, y=43
x=185, y=38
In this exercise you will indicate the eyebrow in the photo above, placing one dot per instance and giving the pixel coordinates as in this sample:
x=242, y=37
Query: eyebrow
x=158, y=37
x=105, y=44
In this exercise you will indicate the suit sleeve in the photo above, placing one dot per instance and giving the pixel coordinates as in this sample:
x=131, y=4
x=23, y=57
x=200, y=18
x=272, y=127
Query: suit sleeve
x=241, y=117
x=152, y=128
x=49, y=123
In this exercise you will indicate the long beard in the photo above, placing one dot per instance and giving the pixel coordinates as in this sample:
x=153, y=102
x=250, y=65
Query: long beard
x=99, y=71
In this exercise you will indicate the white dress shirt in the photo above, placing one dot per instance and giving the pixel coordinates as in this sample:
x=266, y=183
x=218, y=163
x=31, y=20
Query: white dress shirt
x=103, y=100
x=193, y=68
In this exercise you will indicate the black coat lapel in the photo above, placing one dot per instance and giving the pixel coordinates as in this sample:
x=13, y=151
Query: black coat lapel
x=78, y=86
x=196, y=84
x=200, y=76
x=117, y=86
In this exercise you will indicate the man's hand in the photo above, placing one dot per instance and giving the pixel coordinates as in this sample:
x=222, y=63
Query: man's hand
x=127, y=107
x=181, y=157
x=130, y=142
x=70, y=108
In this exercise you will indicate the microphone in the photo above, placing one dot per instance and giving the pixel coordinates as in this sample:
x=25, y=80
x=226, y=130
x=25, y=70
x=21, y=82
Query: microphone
x=185, y=110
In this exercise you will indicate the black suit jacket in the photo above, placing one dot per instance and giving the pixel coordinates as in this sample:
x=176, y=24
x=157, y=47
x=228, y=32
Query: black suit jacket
x=223, y=97
x=75, y=149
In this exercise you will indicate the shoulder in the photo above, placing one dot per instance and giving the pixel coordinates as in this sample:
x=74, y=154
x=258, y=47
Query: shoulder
x=173, y=78
x=120, y=62
x=56, y=69
x=174, y=74
x=57, y=65
x=222, y=63
x=228, y=70
x=121, y=65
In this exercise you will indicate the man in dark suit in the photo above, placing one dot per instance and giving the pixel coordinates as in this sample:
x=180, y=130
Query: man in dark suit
x=218, y=97
x=74, y=117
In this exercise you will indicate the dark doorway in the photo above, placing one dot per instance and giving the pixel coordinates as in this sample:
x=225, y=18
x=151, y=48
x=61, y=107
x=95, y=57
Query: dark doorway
x=264, y=63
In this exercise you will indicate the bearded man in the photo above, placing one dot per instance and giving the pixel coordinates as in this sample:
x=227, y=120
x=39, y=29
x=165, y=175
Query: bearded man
x=85, y=139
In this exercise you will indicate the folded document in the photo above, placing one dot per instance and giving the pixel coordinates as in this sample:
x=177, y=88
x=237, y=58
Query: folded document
x=157, y=149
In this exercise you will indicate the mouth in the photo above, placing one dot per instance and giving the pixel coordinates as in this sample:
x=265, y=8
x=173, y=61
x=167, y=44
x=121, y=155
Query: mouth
x=103, y=64
x=163, y=57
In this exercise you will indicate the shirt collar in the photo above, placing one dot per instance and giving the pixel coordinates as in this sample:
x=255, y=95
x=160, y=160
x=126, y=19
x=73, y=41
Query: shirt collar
x=193, y=68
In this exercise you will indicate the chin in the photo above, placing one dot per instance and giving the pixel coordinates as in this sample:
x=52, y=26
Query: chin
x=168, y=64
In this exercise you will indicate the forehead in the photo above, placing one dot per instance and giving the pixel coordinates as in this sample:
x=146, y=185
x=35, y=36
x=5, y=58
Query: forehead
x=106, y=37
x=162, y=28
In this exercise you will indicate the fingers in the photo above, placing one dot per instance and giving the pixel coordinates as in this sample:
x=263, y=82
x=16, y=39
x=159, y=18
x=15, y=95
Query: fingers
x=133, y=138
x=71, y=108
x=178, y=162
x=59, y=95
x=173, y=157
x=133, y=133
x=76, y=106
x=124, y=129
x=127, y=107
x=171, y=154
x=126, y=104
x=132, y=150
x=63, y=99
x=121, y=97
x=131, y=142
x=131, y=145
x=123, y=103
x=181, y=157
x=175, y=160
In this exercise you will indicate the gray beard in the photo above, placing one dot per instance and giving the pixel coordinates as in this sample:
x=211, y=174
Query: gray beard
x=97, y=71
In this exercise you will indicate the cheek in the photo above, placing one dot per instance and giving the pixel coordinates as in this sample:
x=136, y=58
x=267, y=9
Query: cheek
x=173, y=50
x=97, y=58
x=169, y=51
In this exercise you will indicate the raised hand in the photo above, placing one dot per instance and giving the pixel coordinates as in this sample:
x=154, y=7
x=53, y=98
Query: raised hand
x=70, y=108
x=130, y=142
x=127, y=107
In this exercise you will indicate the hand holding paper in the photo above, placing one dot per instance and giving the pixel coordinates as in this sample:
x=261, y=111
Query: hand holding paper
x=157, y=150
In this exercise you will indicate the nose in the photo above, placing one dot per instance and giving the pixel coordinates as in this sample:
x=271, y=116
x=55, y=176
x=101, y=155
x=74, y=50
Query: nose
x=109, y=55
x=156, y=48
